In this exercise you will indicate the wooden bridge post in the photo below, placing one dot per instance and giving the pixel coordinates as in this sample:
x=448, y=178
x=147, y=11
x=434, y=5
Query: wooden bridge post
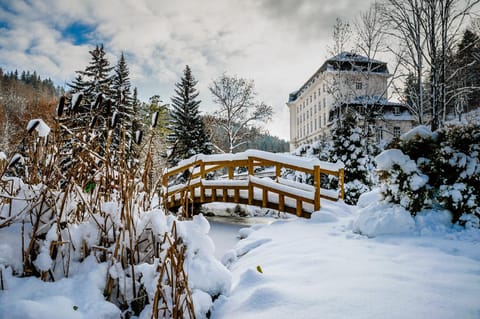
x=316, y=183
x=250, y=186
x=264, y=197
x=281, y=202
x=202, y=176
x=230, y=172
x=299, y=207
x=341, y=179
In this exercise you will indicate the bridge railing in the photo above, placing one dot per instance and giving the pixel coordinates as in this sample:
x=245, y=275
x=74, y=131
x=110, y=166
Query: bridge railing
x=279, y=193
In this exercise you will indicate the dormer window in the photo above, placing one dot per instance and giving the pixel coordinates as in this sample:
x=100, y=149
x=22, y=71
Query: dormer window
x=358, y=85
x=396, y=110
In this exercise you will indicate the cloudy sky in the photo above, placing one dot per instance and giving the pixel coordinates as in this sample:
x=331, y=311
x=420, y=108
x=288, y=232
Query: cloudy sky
x=277, y=43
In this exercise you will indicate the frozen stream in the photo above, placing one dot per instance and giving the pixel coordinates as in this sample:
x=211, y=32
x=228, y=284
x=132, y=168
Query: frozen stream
x=224, y=231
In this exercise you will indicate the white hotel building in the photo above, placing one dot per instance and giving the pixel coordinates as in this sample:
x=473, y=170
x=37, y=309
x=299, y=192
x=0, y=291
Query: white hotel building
x=344, y=81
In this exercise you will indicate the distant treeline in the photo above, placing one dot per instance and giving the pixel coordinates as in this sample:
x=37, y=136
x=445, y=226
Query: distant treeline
x=24, y=95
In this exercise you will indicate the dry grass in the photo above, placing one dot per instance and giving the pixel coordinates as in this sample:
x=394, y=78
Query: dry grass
x=70, y=179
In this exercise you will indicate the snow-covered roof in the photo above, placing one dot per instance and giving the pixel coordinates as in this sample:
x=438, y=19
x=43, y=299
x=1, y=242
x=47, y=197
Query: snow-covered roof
x=345, y=61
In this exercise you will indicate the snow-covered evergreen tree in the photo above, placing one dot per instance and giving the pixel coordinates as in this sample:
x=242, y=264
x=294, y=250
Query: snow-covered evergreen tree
x=97, y=75
x=350, y=147
x=124, y=104
x=188, y=135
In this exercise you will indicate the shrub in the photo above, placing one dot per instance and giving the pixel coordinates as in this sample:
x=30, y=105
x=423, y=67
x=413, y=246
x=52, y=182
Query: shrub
x=450, y=158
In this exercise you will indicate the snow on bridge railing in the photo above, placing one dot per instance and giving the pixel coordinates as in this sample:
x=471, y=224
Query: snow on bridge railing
x=276, y=193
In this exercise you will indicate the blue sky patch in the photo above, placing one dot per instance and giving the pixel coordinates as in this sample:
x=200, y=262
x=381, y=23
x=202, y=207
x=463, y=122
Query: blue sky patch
x=79, y=33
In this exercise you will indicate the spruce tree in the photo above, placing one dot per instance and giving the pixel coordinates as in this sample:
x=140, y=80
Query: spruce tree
x=97, y=75
x=188, y=135
x=124, y=104
x=350, y=147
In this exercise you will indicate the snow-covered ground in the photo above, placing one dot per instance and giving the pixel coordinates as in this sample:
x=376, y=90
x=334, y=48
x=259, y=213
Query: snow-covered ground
x=320, y=268
x=299, y=268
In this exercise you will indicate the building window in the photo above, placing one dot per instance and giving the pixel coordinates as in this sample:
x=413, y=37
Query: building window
x=396, y=132
x=358, y=85
x=316, y=124
x=324, y=103
x=324, y=120
x=379, y=134
x=320, y=120
x=315, y=95
x=396, y=110
x=324, y=88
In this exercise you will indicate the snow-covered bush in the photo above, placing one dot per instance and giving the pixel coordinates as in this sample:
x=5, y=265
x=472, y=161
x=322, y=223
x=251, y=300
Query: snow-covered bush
x=450, y=157
x=401, y=181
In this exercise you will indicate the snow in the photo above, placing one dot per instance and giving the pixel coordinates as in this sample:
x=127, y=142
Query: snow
x=40, y=126
x=421, y=131
x=387, y=159
x=307, y=163
x=366, y=199
x=80, y=296
x=381, y=218
x=311, y=269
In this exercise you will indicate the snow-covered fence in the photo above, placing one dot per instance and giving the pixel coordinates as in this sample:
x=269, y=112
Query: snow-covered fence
x=232, y=186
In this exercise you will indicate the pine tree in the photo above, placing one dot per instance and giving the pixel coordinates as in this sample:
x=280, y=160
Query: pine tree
x=124, y=104
x=467, y=63
x=96, y=76
x=188, y=135
x=350, y=147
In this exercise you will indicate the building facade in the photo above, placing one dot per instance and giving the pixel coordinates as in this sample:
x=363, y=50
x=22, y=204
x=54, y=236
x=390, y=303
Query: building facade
x=344, y=82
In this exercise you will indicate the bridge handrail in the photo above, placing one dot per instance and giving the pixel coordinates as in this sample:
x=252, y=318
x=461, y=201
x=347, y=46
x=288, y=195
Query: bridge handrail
x=200, y=165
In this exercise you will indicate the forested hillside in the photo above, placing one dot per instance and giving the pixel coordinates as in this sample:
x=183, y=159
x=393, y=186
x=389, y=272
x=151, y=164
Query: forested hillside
x=23, y=96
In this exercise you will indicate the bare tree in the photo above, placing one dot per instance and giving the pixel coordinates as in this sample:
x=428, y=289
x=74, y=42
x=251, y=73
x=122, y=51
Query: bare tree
x=238, y=108
x=341, y=36
x=427, y=29
x=402, y=19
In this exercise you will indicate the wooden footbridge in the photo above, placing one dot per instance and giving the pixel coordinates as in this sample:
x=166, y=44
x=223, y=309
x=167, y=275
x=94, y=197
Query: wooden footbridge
x=237, y=178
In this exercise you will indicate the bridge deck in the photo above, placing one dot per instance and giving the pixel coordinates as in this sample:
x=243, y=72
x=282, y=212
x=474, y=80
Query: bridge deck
x=278, y=193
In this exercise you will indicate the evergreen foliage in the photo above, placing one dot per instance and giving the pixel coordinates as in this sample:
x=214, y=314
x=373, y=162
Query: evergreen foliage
x=101, y=105
x=188, y=135
x=125, y=103
x=350, y=147
x=465, y=70
x=96, y=76
x=451, y=160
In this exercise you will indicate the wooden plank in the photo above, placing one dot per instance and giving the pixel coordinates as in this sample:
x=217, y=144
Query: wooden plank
x=286, y=194
x=225, y=193
x=236, y=195
x=230, y=172
x=316, y=183
x=264, y=197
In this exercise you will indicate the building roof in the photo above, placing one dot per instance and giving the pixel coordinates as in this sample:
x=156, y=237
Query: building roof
x=345, y=61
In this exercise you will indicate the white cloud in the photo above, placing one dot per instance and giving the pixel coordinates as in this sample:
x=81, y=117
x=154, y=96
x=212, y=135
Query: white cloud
x=278, y=43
